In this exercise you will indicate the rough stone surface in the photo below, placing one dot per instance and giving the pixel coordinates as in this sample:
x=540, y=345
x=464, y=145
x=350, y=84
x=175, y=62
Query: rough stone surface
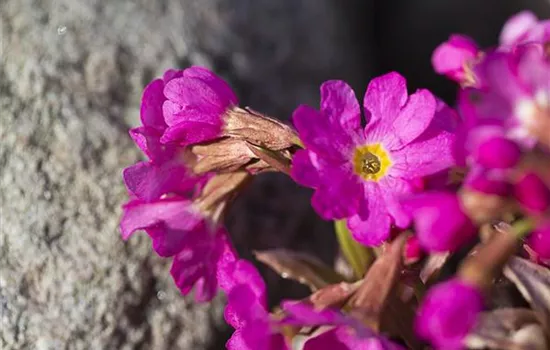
x=71, y=74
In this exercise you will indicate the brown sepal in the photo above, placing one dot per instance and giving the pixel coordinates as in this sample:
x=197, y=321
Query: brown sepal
x=223, y=155
x=258, y=129
x=219, y=191
x=279, y=160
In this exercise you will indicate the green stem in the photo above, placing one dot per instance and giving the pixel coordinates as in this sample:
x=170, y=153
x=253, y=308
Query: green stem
x=523, y=227
x=357, y=255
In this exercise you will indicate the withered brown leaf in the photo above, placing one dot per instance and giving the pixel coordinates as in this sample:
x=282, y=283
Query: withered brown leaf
x=507, y=329
x=259, y=129
x=223, y=155
x=533, y=282
x=276, y=159
x=301, y=267
x=371, y=298
x=376, y=301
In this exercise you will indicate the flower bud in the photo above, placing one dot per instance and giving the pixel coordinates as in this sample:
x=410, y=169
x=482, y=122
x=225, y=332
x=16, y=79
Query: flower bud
x=447, y=313
x=498, y=152
x=532, y=194
x=453, y=57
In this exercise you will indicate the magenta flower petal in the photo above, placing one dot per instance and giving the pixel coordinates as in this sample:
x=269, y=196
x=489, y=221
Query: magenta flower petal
x=243, y=305
x=236, y=342
x=139, y=135
x=413, y=251
x=171, y=74
x=258, y=335
x=373, y=228
x=451, y=57
x=396, y=189
x=190, y=132
x=490, y=182
x=498, y=152
x=440, y=223
x=339, y=198
x=196, y=100
x=342, y=338
x=175, y=213
x=240, y=271
x=223, y=91
x=196, y=93
x=150, y=181
x=339, y=103
x=196, y=264
x=350, y=333
x=424, y=157
x=517, y=28
x=321, y=134
x=539, y=241
x=448, y=312
x=532, y=193
x=385, y=97
x=303, y=314
x=415, y=117
x=337, y=189
x=151, y=105
x=246, y=308
x=400, y=130
x=245, y=289
x=304, y=170
x=429, y=153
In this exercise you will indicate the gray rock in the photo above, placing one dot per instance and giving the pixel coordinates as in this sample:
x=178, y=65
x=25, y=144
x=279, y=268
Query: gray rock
x=71, y=74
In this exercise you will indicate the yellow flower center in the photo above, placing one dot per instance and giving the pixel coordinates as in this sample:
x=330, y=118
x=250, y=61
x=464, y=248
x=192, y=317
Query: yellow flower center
x=371, y=162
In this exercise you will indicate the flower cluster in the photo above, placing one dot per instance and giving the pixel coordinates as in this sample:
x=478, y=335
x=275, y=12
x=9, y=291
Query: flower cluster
x=410, y=182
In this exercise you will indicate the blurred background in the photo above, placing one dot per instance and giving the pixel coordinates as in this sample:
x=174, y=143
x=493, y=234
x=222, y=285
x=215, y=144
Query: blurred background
x=71, y=76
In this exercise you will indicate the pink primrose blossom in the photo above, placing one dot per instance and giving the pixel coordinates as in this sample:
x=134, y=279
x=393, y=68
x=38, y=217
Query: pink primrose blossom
x=359, y=174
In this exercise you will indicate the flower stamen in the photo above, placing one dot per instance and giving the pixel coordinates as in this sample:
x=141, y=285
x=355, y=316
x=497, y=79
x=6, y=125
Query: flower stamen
x=371, y=162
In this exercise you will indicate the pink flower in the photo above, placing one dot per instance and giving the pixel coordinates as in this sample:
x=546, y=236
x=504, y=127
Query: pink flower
x=180, y=231
x=166, y=171
x=455, y=57
x=196, y=103
x=360, y=174
x=522, y=28
x=247, y=311
x=439, y=220
x=163, y=188
x=532, y=194
x=147, y=137
x=448, y=312
x=515, y=95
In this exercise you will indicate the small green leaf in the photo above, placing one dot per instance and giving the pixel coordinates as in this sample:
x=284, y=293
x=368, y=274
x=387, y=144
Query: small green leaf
x=358, y=256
